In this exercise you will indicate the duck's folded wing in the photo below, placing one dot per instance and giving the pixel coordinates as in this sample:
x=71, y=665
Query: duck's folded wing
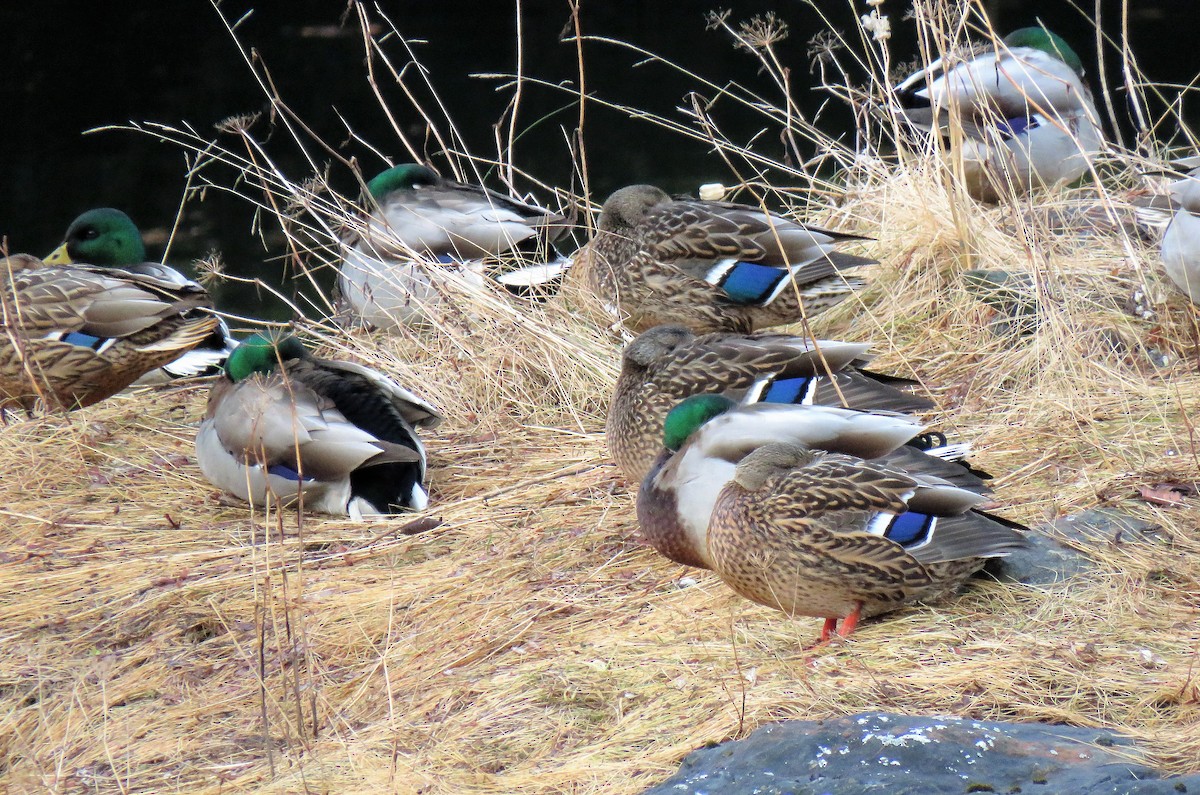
x=866, y=434
x=100, y=304
x=287, y=426
x=971, y=534
x=693, y=232
x=415, y=410
x=1010, y=83
x=486, y=219
x=825, y=501
x=752, y=256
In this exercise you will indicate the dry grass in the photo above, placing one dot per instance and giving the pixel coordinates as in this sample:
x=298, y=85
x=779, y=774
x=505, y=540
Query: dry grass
x=157, y=637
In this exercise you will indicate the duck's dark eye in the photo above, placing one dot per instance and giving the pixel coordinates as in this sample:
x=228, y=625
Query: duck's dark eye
x=90, y=234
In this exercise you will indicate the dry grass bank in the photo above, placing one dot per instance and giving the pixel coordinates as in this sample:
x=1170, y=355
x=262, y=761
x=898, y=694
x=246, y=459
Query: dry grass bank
x=156, y=637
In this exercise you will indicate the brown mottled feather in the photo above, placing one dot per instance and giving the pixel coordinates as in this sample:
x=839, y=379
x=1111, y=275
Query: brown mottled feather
x=142, y=314
x=650, y=251
x=789, y=532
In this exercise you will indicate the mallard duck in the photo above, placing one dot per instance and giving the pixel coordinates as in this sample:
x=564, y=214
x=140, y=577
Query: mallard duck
x=1181, y=241
x=429, y=237
x=712, y=266
x=669, y=363
x=815, y=510
x=78, y=334
x=284, y=425
x=108, y=238
x=1025, y=114
x=705, y=436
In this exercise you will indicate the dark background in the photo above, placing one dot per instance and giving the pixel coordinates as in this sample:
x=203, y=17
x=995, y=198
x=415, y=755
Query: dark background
x=71, y=67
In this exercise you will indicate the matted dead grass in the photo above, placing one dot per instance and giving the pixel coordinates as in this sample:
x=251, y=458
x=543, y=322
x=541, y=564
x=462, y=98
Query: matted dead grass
x=518, y=636
x=158, y=637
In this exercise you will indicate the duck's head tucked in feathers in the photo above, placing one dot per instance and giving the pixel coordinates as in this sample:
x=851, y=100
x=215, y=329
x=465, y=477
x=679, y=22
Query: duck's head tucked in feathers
x=406, y=176
x=1049, y=42
x=426, y=239
x=687, y=417
x=263, y=353
x=629, y=206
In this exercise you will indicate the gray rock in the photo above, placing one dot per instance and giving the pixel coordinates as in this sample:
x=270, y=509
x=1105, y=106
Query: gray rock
x=1107, y=525
x=1044, y=562
x=1047, y=560
x=899, y=755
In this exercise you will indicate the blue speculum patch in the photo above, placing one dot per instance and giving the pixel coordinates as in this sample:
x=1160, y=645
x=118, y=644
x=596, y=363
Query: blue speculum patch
x=285, y=472
x=751, y=283
x=788, y=390
x=1011, y=128
x=909, y=529
x=84, y=340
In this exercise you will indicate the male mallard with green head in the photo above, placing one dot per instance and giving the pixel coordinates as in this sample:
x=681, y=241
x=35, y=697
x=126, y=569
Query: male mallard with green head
x=816, y=510
x=108, y=238
x=284, y=425
x=425, y=235
x=1024, y=113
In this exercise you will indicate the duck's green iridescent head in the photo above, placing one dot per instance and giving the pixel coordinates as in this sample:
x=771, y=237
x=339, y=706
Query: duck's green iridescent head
x=405, y=176
x=1039, y=38
x=262, y=353
x=105, y=237
x=689, y=414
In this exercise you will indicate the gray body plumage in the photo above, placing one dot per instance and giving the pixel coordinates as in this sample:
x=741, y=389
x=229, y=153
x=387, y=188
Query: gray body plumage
x=433, y=238
x=1181, y=241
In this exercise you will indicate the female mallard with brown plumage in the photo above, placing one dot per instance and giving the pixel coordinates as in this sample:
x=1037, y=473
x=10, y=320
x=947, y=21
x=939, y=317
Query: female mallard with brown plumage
x=76, y=334
x=712, y=266
x=669, y=363
x=284, y=425
x=817, y=511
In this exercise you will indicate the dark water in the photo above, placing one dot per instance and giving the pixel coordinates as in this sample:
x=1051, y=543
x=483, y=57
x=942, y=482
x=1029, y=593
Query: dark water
x=73, y=67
